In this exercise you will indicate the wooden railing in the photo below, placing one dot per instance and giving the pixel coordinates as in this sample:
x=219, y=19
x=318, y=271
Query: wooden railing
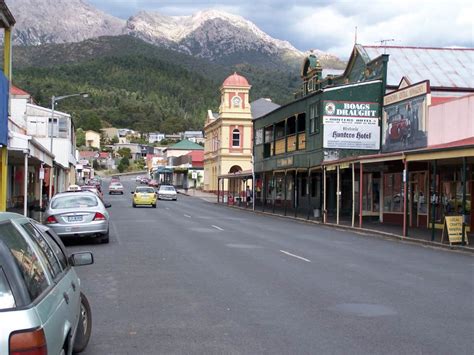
x=280, y=146
x=301, y=141
x=291, y=143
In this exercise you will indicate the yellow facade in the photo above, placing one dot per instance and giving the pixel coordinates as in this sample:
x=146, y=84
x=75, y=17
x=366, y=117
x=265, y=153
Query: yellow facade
x=229, y=136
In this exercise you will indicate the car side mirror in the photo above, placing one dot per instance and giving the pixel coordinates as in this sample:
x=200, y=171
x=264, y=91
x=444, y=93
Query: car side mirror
x=107, y=204
x=132, y=192
x=81, y=258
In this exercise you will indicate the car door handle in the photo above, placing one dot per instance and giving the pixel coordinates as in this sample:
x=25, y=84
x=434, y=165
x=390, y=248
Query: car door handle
x=66, y=297
x=73, y=285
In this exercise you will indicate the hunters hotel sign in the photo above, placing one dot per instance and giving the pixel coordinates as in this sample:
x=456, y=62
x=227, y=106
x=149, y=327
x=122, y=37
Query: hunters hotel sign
x=351, y=125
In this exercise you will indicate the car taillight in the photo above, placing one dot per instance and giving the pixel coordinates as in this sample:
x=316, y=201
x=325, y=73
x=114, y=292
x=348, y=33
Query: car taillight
x=31, y=342
x=51, y=219
x=99, y=217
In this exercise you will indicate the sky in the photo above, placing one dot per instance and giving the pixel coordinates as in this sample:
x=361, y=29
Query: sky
x=331, y=25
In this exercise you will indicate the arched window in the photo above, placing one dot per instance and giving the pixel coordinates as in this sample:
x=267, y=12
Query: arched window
x=236, y=138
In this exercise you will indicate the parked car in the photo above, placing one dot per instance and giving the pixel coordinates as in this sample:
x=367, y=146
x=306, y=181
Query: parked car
x=153, y=183
x=167, y=192
x=144, y=196
x=115, y=187
x=78, y=214
x=42, y=307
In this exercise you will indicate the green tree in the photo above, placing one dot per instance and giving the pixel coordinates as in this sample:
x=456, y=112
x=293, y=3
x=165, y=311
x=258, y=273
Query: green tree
x=80, y=137
x=114, y=140
x=125, y=153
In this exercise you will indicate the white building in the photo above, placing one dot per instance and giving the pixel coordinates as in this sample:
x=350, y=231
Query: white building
x=154, y=137
x=63, y=141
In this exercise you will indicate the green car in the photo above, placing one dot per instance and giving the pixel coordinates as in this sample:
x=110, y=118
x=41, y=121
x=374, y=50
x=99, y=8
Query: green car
x=42, y=307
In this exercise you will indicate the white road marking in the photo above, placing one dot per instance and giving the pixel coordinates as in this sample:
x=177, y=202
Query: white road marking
x=186, y=215
x=296, y=256
x=216, y=227
x=115, y=232
x=167, y=208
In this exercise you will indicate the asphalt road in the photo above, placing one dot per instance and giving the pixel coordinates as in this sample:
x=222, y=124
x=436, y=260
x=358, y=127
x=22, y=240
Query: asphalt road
x=192, y=277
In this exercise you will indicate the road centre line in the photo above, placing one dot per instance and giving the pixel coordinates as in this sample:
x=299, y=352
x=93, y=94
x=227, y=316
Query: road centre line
x=216, y=227
x=186, y=215
x=296, y=256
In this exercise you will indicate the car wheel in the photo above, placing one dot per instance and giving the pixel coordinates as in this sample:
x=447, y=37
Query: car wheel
x=105, y=238
x=134, y=205
x=84, y=327
x=154, y=205
x=121, y=193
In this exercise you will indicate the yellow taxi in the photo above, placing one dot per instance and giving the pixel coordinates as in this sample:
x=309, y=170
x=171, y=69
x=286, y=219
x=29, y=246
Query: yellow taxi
x=144, y=195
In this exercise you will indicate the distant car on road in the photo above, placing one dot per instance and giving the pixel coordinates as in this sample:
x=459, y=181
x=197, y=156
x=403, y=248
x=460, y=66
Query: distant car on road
x=144, y=196
x=144, y=180
x=94, y=189
x=115, y=187
x=78, y=214
x=167, y=192
x=42, y=307
x=153, y=183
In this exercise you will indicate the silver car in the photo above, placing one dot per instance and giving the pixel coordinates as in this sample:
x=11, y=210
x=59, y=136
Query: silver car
x=115, y=187
x=78, y=214
x=167, y=192
x=42, y=308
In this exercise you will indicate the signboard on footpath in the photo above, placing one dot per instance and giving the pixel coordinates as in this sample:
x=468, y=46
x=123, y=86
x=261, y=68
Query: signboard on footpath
x=453, y=227
x=351, y=125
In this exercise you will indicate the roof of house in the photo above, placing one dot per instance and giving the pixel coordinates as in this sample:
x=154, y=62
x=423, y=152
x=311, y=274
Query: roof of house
x=17, y=91
x=443, y=67
x=104, y=155
x=261, y=107
x=196, y=155
x=185, y=145
x=84, y=154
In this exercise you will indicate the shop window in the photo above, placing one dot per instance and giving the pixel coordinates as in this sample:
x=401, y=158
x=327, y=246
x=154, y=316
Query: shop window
x=314, y=121
x=392, y=193
x=236, y=138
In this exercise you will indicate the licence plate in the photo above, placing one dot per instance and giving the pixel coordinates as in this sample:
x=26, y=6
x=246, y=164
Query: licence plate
x=74, y=218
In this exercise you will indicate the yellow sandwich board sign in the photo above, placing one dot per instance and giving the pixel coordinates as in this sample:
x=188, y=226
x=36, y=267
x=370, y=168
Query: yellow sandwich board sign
x=453, y=226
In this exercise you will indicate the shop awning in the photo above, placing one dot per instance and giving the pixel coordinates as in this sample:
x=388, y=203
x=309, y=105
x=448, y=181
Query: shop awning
x=246, y=174
x=451, y=150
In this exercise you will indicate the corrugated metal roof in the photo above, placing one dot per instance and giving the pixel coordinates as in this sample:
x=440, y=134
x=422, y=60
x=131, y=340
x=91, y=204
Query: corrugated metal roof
x=261, y=107
x=443, y=67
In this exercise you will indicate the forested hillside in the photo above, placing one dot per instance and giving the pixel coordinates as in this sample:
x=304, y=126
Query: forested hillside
x=136, y=85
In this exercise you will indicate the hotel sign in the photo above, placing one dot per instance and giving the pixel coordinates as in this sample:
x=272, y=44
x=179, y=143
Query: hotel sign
x=351, y=125
x=284, y=162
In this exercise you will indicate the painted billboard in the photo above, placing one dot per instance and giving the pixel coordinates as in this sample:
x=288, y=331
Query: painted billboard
x=404, y=118
x=351, y=125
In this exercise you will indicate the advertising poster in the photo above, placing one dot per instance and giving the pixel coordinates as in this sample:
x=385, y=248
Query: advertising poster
x=351, y=125
x=403, y=124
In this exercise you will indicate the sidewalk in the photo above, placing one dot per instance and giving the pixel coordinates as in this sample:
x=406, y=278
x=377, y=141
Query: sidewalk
x=210, y=197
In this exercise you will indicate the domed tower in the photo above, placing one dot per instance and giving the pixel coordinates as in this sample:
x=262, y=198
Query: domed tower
x=228, y=146
x=235, y=97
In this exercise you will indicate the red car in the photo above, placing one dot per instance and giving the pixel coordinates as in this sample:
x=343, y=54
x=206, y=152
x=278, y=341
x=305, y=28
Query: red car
x=153, y=183
x=398, y=128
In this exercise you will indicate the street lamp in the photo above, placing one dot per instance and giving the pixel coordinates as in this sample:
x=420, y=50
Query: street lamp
x=55, y=99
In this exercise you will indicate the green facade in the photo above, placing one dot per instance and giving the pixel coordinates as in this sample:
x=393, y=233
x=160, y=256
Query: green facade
x=364, y=83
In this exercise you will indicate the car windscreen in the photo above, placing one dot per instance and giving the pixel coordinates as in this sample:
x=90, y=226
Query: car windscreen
x=167, y=188
x=145, y=190
x=74, y=201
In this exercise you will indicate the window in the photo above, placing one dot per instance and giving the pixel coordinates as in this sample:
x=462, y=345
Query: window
x=47, y=253
x=6, y=296
x=26, y=259
x=314, y=118
x=392, y=192
x=236, y=138
x=57, y=250
x=76, y=201
x=259, y=136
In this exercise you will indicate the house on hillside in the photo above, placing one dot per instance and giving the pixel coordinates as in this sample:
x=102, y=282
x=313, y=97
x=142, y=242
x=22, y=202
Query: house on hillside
x=92, y=139
x=155, y=137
